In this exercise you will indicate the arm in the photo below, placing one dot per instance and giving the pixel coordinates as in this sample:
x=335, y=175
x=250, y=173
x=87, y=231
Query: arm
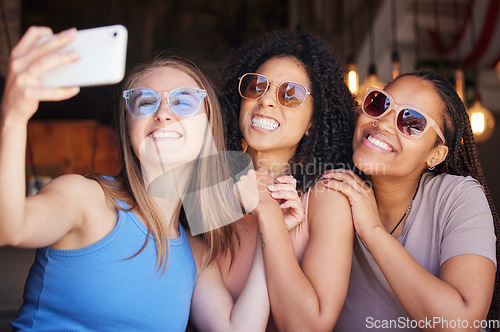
x=308, y=297
x=26, y=222
x=464, y=287
x=213, y=308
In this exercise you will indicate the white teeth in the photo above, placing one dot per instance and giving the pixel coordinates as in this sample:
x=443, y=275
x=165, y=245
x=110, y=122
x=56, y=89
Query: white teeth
x=379, y=143
x=267, y=124
x=165, y=134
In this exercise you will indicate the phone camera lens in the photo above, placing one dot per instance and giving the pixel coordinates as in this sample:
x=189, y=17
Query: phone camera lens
x=115, y=34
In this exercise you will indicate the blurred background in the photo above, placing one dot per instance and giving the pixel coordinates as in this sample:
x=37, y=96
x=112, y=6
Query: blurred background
x=373, y=39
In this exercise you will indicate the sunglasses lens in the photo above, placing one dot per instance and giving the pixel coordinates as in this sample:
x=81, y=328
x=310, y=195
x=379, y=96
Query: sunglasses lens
x=253, y=86
x=411, y=123
x=185, y=101
x=376, y=103
x=291, y=95
x=142, y=102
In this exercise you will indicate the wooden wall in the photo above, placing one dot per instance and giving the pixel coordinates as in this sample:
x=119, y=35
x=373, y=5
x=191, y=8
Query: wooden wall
x=71, y=146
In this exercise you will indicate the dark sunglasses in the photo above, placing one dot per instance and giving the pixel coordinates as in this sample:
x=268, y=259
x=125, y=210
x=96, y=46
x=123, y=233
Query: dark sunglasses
x=289, y=94
x=144, y=102
x=410, y=122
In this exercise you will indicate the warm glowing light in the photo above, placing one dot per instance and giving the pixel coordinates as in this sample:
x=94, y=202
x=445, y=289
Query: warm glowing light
x=352, y=78
x=352, y=81
x=477, y=123
x=482, y=121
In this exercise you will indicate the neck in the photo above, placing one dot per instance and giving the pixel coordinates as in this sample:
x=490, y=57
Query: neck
x=393, y=197
x=276, y=162
x=171, y=209
x=168, y=190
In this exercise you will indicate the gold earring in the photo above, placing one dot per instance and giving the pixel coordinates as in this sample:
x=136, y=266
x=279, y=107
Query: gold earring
x=244, y=145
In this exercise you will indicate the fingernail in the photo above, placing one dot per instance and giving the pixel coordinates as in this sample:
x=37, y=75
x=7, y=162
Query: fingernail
x=274, y=194
x=325, y=181
x=270, y=187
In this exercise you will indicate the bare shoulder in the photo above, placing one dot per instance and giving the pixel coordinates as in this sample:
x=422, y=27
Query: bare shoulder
x=320, y=195
x=328, y=206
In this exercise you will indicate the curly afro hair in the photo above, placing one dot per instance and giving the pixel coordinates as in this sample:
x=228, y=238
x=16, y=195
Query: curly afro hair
x=329, y=143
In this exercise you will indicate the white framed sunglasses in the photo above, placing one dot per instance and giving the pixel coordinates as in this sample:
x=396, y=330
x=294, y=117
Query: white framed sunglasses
x=144, y=102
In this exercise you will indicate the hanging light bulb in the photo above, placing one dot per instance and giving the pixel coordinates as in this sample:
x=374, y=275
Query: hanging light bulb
x=482, y=121
x=352, y=77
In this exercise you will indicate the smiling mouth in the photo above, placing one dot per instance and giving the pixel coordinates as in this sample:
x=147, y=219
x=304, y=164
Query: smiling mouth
x=165, y=135
x=265, y=123
x=381, y=144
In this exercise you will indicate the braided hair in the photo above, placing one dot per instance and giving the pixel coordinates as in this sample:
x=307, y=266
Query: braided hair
x=462, y=158
x=329, y=143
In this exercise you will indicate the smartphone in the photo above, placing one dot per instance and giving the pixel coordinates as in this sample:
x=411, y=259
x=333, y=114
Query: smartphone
x=102, y=53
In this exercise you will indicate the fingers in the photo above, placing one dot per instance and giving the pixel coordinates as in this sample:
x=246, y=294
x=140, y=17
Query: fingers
x=283, y=191
x=56, y=94
x=29, y=40
x=346, y=176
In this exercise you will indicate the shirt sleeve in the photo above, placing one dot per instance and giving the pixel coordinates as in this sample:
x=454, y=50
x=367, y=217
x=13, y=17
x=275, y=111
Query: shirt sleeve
x=468, y=225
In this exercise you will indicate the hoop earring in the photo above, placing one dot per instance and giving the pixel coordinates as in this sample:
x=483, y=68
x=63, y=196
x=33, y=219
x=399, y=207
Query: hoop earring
x=375, y=123
x=244, y=145
x=431, y=168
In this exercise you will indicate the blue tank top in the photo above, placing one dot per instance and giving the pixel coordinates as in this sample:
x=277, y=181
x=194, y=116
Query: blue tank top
x=99, y=288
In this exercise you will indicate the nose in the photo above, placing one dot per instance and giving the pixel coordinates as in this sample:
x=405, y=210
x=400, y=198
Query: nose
x=388, y=121
x=164, y=113
x=268, y=99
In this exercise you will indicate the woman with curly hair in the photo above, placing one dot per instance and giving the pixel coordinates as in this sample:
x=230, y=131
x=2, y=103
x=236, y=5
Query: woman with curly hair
x=288, y=107
x=425, y=252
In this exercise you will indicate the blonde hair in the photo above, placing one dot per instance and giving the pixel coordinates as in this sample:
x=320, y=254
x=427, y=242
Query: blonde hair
x=212, y=203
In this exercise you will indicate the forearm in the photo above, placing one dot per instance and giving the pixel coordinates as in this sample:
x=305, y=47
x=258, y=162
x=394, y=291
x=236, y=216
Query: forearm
x=12, y=178
x=251, y=310
x=295, y=304
x=421, y=294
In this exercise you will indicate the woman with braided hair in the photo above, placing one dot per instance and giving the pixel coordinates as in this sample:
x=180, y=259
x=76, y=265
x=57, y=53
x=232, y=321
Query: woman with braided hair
x=425, y=251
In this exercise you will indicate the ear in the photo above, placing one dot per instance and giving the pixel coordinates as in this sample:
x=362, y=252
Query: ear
x=437, y=155
x=308, y=127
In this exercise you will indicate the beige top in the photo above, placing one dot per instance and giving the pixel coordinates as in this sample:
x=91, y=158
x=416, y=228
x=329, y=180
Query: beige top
x=450, y=217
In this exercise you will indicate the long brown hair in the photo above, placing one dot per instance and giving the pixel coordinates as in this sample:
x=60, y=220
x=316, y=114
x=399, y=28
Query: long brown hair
x=462, y=158
x=128, y=186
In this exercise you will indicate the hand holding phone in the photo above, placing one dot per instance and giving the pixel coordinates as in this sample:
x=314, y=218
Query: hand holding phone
x=102, y=54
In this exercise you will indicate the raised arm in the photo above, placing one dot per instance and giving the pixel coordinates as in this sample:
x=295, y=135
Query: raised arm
x=23, y=223
x=308, y=297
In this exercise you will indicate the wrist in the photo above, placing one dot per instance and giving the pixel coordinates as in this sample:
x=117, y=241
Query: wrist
x=266, y=209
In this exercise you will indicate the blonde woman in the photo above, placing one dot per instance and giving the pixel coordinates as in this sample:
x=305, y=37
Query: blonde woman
x=113, y=254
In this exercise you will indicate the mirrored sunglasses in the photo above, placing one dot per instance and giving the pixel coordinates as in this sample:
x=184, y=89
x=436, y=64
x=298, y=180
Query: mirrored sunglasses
x=289, y=94
x=144, y=102
x=411, y=123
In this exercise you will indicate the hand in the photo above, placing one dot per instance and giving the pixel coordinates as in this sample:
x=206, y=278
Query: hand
x=28, y=60
x=247, y=191
x=364, y=208
x=285, y=192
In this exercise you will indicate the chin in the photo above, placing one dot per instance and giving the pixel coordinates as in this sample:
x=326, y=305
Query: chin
x=369, y=167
